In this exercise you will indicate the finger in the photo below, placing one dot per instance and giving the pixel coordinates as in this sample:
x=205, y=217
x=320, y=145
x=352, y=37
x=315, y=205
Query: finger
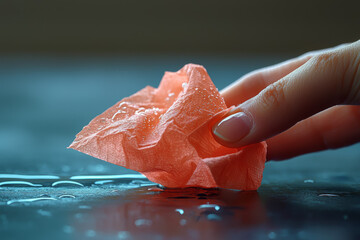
x=333, y=128
x=251, y=84
x=323, y=81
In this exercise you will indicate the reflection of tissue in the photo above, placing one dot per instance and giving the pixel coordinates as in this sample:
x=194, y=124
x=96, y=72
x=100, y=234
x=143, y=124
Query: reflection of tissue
x=165, y=134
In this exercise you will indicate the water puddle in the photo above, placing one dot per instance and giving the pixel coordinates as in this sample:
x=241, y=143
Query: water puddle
x=123, y=180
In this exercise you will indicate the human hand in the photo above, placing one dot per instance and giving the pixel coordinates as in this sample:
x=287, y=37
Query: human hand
x=303, y=105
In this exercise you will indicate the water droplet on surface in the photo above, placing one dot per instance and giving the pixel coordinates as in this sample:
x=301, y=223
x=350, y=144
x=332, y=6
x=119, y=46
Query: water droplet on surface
x=123, y=235
x=179, y=210
x=68, y=229
x=182, y=222
x=84, y=207
x=44, y=213
x=308, y=181
x=214, y=206
x=112, y=177
x=143, y=222
x=67, y=196
x=21, y=183
x=328, y=195
x=171, y=94
x=155, y=189
x=66, y=182
x=101, y=182
x=90, y=233
x=19, y=176
x=272, y=235
x=183, y=85
x=196, y=89
x=213, y=217
x=29, y=200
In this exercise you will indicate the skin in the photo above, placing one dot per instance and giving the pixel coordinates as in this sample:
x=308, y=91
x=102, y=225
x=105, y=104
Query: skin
x=306, y=104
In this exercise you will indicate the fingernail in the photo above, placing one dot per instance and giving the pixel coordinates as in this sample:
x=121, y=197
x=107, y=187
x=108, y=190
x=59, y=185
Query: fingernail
x=234, y=127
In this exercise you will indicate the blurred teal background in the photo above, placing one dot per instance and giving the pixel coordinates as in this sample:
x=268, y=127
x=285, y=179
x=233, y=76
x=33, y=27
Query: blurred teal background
x=64, y=62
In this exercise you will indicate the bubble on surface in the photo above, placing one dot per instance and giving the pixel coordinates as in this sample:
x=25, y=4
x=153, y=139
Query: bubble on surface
x=22, y=183
x=66, y=182
x=142, y=222
x=29, y=200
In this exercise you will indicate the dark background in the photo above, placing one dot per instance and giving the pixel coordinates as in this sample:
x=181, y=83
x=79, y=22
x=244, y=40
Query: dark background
x=164, y=26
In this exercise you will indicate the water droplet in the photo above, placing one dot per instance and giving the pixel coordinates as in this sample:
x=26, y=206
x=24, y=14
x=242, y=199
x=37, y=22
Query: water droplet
x=66, y=183
x=143, y=222
x=84, y=207
x=196, y=89
x=142, y=183
x=67, y=196
x=90, y=233
x=44, y=213
x=272, y=235
x=308, y=181
x=328, y=195
x=183, y=85
x=101, y=182
x=213, y=217
x=179, y=210
x=171, y=94
x=68, y=229
x=123, y=235
x=155, y=189
x=28, y=200
x=182, y=222
x=19, y=176
x=216, y=207
x=96, y=177
x=22, y=183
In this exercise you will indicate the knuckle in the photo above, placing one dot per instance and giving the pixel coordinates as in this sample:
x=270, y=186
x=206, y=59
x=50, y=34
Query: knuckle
x=273, y=94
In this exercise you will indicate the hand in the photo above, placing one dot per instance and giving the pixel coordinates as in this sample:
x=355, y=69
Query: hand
x=303, y=105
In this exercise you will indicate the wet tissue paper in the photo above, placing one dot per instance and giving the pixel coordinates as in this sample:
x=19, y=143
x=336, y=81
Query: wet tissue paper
x=165, y=133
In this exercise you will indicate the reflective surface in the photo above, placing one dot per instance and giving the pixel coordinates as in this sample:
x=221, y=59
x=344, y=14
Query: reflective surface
x=50, y=192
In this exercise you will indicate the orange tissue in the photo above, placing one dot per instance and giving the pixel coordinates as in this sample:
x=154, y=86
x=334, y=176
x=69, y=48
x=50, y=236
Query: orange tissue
x=165, y=133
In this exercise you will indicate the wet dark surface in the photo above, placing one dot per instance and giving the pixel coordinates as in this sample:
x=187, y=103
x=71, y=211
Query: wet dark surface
x=44, y=102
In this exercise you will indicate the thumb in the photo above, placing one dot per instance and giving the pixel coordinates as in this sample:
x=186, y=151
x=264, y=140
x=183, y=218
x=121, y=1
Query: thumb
x=325, y=80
